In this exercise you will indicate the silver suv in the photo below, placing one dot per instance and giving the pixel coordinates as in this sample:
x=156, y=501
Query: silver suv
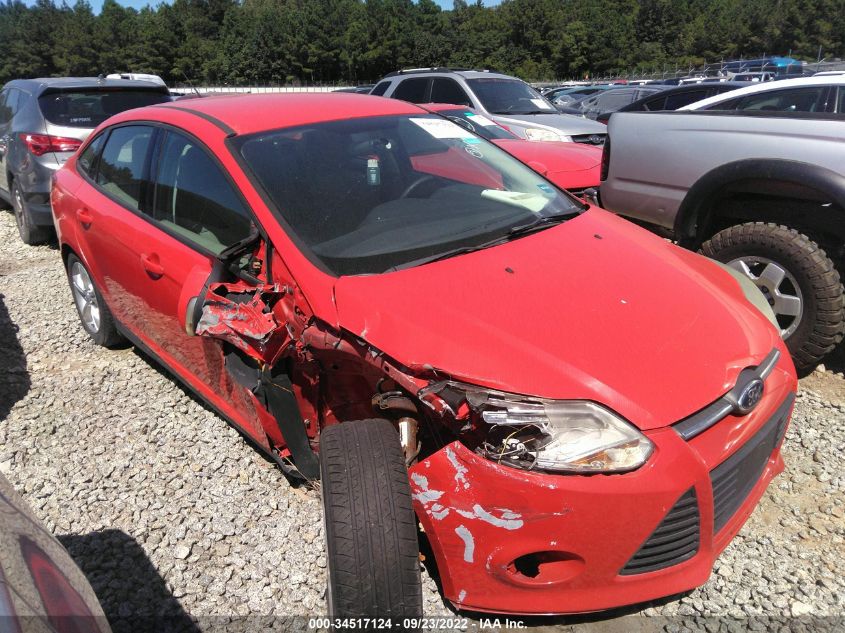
x=42, y=122
x=509, y=101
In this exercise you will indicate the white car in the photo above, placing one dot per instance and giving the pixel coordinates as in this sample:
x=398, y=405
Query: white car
x=805, y=94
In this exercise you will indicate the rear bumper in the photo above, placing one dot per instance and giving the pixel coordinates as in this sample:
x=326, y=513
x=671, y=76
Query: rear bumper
x=511, y=541
x=38, y=205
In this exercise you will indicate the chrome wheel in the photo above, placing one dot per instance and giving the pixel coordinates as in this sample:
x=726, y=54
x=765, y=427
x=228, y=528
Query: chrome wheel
x=779, y=287
x=85, y=297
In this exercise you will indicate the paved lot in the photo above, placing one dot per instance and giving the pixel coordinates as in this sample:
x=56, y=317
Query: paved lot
x=169, y=511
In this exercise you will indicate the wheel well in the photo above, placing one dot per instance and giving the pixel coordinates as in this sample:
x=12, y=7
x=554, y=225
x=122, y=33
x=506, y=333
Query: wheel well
x=66, y=252
x=808, y=210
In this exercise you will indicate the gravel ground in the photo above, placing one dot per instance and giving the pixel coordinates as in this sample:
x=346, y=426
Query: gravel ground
x=169, y=511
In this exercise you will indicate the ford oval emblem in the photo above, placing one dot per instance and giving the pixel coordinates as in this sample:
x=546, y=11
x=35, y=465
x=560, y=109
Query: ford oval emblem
x=750, y=396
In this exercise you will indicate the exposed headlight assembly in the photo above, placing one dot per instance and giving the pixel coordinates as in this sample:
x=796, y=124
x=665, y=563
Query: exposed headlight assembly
x=540, y=134
x=574, y=436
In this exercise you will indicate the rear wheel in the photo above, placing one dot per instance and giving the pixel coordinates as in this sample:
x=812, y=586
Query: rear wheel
x=370, y=530
x=93, y=312
x=797, y=278
x=29, y=232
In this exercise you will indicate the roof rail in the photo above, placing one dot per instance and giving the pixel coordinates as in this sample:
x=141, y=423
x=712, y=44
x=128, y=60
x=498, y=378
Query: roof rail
x=436, y=69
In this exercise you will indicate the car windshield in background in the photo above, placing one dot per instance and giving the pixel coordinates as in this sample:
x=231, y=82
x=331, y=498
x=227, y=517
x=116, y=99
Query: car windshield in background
x=370, y=195
x=509, y=96
x=89, y=108
x=478, y=124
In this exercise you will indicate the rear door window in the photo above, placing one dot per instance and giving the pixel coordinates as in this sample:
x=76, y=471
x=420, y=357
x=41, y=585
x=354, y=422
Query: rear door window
x=89, y=108
x=194, y=199
x=445, y=90
x=122, y=166
x=673, y=102
x=87, y=160
x=380, y=89
x=413, y=90
x=809, y=99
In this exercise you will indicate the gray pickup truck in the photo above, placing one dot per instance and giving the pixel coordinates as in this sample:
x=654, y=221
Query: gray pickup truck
x=763, y=192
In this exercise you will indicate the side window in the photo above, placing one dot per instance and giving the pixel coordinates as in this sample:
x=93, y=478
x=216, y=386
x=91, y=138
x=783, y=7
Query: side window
x=655, y=104
x=87, y=160
x=194, y=199
x=9, y=105
x=840, y=107
x=5, y=111
x=730, y=104
x=673, y=102
x=380, y=89
x=810, y=99
x=444, y=90
x=412, y=90
x=121, y=165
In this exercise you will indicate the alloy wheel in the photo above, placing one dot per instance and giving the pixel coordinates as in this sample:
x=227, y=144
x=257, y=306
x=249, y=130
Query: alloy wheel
x=85, y=297
x=779, y=287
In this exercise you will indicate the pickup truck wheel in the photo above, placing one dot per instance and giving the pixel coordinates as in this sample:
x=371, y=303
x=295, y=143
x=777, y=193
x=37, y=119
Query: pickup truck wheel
x=30, y=233
x=797, y=278
x=93, y=312
x=372, y=551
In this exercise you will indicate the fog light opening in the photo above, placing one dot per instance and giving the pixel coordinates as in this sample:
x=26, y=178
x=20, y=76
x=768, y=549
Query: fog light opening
x=545, y=567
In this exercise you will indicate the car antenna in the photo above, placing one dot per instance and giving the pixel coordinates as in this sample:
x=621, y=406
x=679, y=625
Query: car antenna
x=190, y=84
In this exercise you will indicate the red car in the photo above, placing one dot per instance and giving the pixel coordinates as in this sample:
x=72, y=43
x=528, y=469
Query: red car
x=571, y=166
x=580, y=414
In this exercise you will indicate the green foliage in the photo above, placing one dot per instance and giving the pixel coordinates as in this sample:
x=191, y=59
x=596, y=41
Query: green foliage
x=278, y=41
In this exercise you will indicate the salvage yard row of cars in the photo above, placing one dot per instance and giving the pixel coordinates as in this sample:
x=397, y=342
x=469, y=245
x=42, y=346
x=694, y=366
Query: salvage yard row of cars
x=401, y=304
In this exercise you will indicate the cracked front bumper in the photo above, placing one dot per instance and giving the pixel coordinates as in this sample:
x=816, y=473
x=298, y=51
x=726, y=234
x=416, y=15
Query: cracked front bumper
x=510, y=541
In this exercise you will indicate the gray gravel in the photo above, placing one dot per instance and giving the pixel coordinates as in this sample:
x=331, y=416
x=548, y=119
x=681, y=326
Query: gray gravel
x=168, y=510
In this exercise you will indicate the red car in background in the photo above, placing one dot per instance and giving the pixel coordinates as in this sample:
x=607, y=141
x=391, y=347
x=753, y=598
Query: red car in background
x=580, y=414
x=571, y=166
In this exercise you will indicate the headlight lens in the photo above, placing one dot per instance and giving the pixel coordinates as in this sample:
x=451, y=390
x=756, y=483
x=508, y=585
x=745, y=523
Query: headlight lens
x=554, y=435
x=539, y=134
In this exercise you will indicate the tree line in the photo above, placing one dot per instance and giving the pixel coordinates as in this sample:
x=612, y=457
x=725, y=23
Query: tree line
x=243, y=42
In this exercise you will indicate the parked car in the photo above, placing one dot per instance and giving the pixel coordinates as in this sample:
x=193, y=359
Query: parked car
x=762, y=191
x=41, y=588
x=138, y=77
x=42, y=122
x=674, y=98
x=569, y=98
x=610, y=100
x=805, y=94
x=469, y=345
x=572, y=166
x=755, y=77
x=508, y=101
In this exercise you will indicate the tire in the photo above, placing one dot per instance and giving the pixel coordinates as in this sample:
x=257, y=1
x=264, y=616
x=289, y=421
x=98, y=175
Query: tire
x=759, y=249
x=30, y=233
x=94, y=314
x=372, y=550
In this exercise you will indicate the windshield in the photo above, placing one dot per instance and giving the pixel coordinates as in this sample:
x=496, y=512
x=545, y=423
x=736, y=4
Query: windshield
x=509, y=96
x=89, y=108
x=478, y=124
x=369, y=195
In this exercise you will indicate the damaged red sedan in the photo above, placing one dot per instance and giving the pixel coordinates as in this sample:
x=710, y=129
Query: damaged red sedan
x=578, y=414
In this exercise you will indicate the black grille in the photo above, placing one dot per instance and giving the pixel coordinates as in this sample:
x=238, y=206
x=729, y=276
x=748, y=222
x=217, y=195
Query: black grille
x=590, y=139
x=675, y=539
x=733, y=479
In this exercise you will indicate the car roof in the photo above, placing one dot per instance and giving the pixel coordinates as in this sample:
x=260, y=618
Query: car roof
x=250, y=113
x=466, y=73
x=40, y=84
x=765, y=87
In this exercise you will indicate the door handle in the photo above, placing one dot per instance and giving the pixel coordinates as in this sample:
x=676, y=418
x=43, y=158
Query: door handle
x=85, y=217
x=152, y=265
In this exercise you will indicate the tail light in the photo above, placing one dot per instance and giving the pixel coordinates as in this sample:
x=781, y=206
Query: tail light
x=40, y=144
x=605, y=159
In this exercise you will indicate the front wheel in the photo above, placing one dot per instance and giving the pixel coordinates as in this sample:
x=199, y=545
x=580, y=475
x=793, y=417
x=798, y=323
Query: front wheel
x=372, y=551
x=796, y=277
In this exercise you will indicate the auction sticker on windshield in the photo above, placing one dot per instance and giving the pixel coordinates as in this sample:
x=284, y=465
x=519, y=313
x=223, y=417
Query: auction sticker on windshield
x=441, y=128
x=541, y=104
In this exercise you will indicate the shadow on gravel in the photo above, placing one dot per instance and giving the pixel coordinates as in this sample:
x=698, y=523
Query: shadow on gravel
x=133, y=595
x=836, y=361
x=14, y=377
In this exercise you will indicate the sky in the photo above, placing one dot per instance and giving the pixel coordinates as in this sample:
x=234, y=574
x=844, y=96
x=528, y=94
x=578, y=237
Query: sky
x=138, y=4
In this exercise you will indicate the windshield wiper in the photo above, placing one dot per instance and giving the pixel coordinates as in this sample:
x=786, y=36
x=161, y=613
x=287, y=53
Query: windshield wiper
x=517, y=231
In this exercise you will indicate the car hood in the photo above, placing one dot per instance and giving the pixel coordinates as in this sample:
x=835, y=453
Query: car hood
x=594, y=309
x=554, y=156
x=566, y=123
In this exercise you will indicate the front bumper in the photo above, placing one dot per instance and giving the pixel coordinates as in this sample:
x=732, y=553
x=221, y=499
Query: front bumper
x=511, y=541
